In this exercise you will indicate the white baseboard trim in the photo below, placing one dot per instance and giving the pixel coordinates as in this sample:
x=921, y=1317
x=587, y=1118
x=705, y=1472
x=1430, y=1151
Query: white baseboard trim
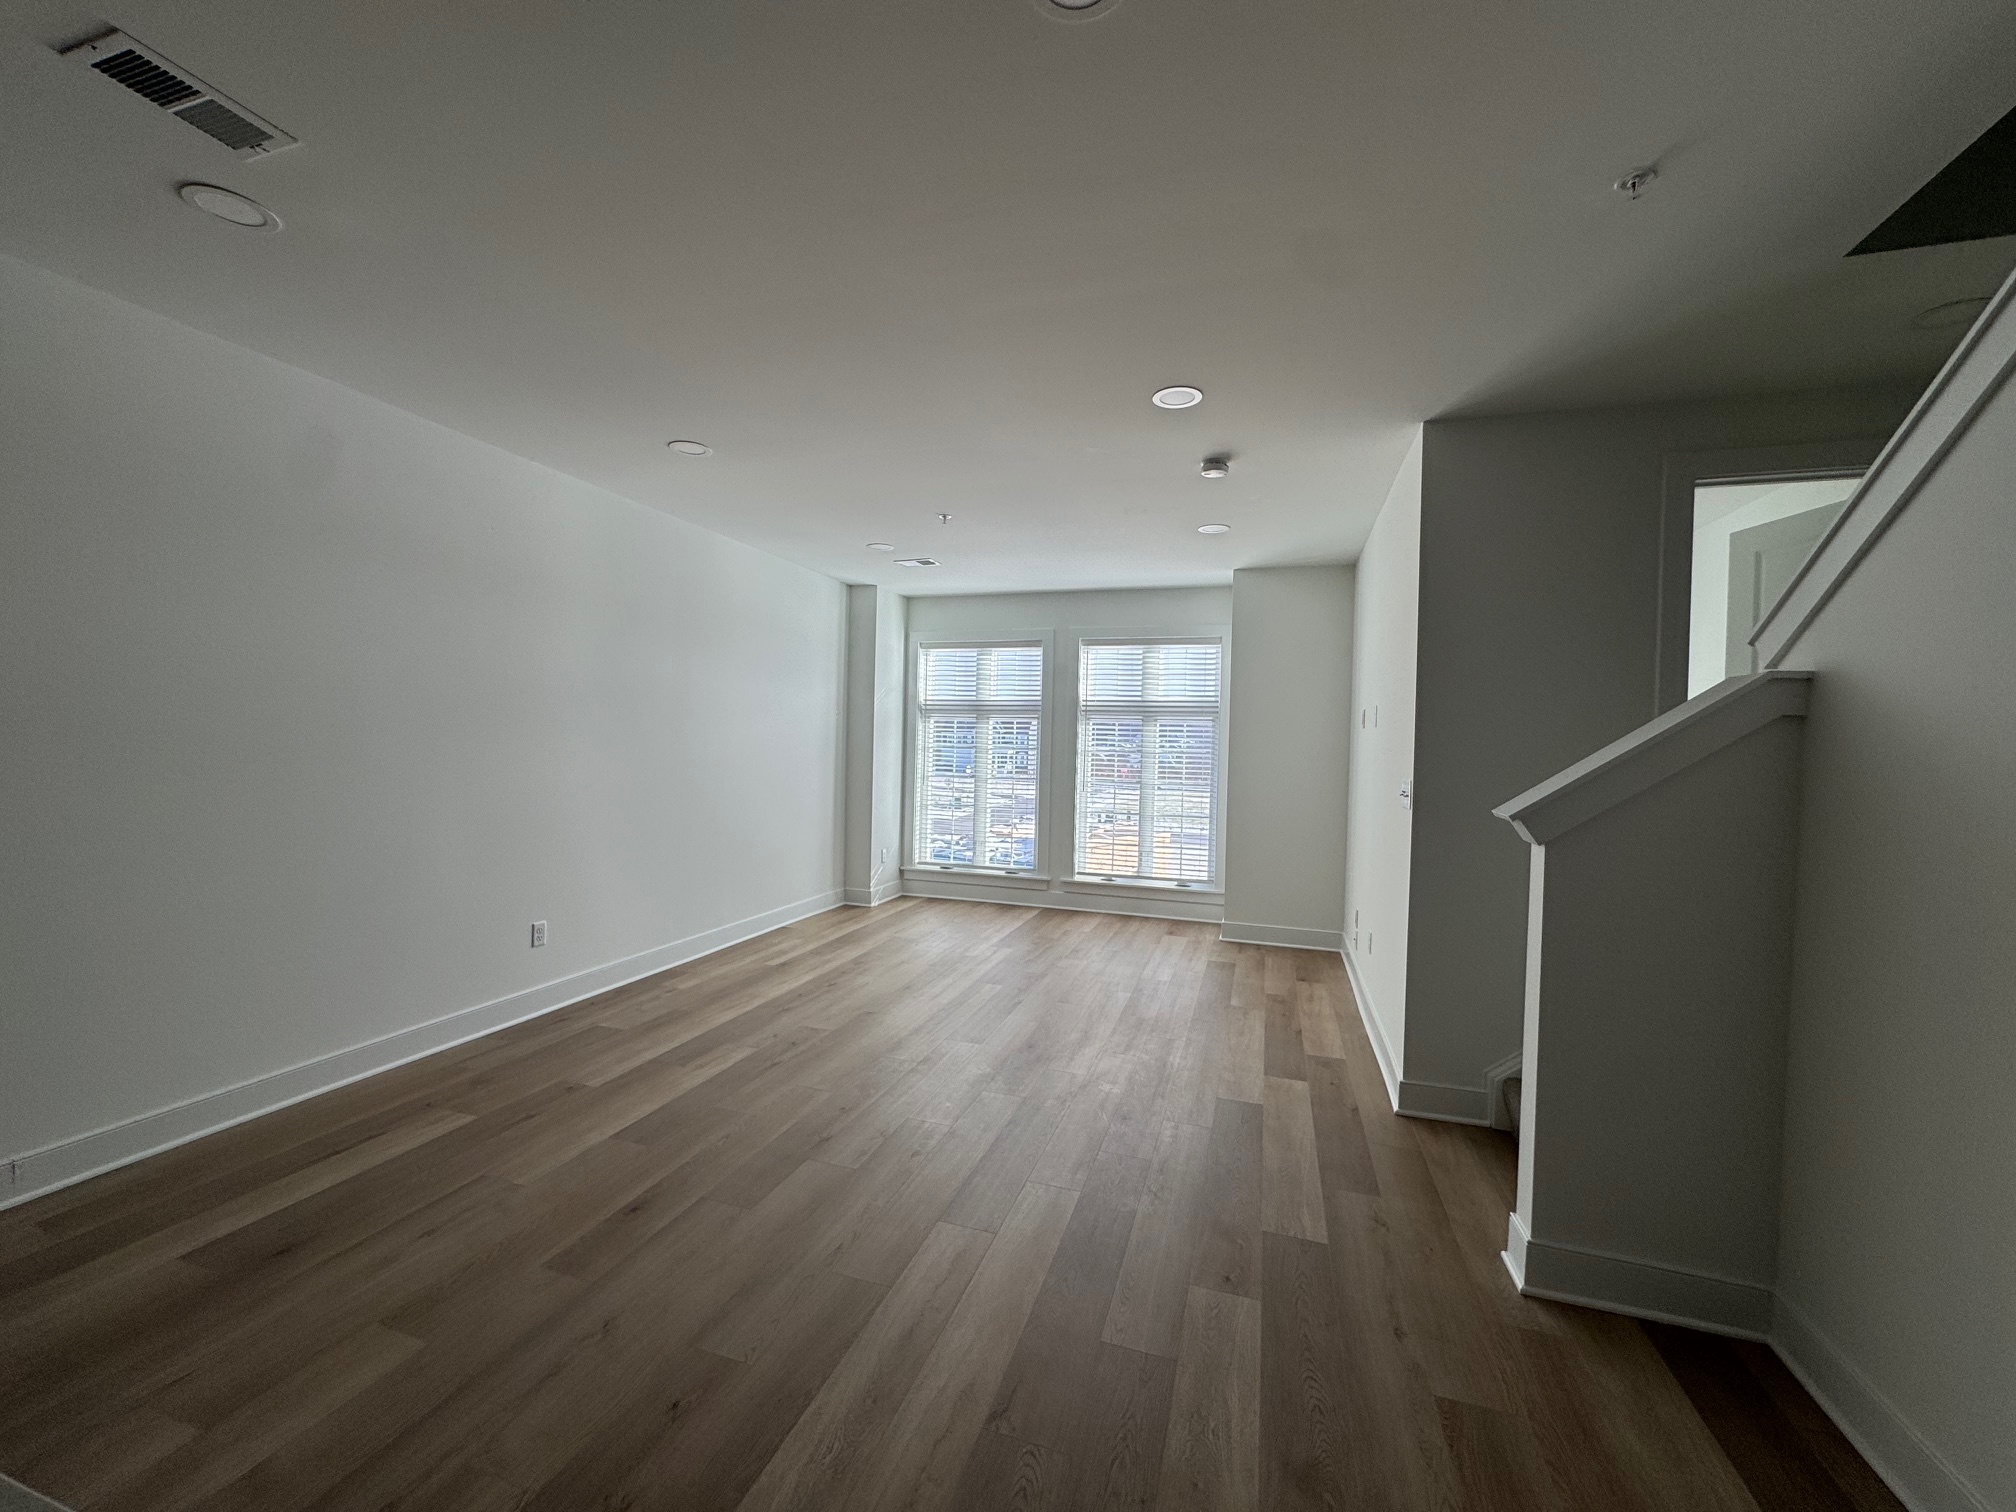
x=15, y=1497
x=1881, y=1434
x=1464, y=1105
x=1495, y=1077
x=1292, y=937
x=77, y=1159
x=1081, y=902
x=873, y=897
x=1895, y=1450
x=1388, y=1068
x=1514, y=1254
x=1636, y=1288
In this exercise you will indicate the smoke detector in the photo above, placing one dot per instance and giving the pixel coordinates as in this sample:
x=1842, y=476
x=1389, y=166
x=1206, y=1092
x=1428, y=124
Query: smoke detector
x=1634, y=183
x=133, y=65
x=1218, y=465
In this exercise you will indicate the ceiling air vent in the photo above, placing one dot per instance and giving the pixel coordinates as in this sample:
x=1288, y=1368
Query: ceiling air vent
x=139, y=68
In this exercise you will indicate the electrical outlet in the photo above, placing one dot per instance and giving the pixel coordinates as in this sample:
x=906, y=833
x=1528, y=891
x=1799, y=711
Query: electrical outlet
x=538, y=934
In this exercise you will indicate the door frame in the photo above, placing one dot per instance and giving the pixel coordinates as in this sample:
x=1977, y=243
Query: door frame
x=1682, y=473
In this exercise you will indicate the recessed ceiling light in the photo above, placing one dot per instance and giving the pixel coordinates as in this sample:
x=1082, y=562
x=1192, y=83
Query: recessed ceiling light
x=690, y=448
x=880, y=546
x=227, y=206
x=1955, y=312
x=1180, y=396
x=1218, y=465
x=916, y=561
x=1212, y=529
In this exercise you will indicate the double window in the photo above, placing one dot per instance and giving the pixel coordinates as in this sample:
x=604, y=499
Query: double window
x=1145, y=786
x=979, y=750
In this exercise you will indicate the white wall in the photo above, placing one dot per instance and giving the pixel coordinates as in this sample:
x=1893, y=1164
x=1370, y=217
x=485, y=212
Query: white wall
x=1897, y=1268
x=1654, y=1068
x=892, y=626
x=313, y=706
x=1059, y=616
x=1379, y=841
x=875, y=633
x=1540, y=540
x=1287, y=783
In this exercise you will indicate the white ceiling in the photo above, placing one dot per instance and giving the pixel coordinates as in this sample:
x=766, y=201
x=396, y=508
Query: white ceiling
x=908, y=256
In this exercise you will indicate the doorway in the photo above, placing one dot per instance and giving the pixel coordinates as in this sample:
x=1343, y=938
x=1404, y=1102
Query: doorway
x=1750, y=539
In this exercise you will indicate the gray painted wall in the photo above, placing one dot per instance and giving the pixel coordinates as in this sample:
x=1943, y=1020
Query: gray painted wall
x=875, y=635
x=1379, y=842
x=1540, y=540
x=1290, y=687
x=313, y=706
x=1898, y=1253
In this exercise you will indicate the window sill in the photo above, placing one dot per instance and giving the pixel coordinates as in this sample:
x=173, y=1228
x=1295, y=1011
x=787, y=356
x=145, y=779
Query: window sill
x=1144, y=887
x=992, y=876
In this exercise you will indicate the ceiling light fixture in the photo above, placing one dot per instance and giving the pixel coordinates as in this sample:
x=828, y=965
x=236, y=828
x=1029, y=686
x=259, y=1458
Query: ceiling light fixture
x=1955, y=312
x=226, y=206
x=880, y=546
x=1177, y=396
x=1212, y=529
x=916, y=561
x=691, y=448
x=1217, y=465
x=944, y=519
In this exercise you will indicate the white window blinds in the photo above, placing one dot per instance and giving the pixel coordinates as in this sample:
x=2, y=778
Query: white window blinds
x=979, y=734
x=1148, y=760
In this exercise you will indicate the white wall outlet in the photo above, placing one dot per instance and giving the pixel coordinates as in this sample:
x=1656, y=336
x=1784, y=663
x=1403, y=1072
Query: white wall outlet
x=1407, y=794
x=538, y=934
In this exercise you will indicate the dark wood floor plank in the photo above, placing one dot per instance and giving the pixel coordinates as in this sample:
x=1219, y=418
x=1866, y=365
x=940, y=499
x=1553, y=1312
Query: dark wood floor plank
x=1152, y=1292
x=1211, y=1452
x=1768, y=1449
x=934, y=1205
x=1228, y=1241
x=1862, y=1487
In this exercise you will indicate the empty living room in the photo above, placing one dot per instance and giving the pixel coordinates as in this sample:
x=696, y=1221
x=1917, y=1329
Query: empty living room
x=1008, y=756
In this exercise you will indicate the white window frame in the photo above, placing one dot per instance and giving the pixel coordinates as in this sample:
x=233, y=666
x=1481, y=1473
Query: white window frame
x=1036, y=875
x=1065, y=836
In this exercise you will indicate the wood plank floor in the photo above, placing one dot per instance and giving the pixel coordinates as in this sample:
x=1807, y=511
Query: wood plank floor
x=941, y=1205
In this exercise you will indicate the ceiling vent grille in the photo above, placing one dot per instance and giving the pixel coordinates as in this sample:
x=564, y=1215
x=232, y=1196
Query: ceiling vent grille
x=135, y=66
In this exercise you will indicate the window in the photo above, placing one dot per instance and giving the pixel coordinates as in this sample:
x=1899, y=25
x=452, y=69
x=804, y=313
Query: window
x=1148, y=761
x=979, y=735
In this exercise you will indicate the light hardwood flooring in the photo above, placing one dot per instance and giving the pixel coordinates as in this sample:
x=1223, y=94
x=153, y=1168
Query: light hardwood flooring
x=934, y=1206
